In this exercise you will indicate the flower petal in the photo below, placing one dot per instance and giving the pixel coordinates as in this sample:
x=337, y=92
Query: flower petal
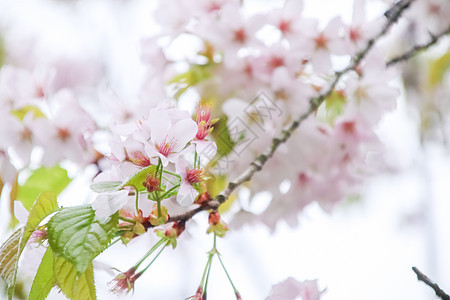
x=186, y=195
x=107, y=204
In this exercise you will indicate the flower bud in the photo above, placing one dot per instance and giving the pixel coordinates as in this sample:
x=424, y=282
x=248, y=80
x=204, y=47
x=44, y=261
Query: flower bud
x=214, y=218
x=139, y=159
x=152, y=183
x=203, y=199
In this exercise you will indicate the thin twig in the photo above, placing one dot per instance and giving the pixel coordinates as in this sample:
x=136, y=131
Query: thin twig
x=422, y=277
x=393, y=14
x=418, y=48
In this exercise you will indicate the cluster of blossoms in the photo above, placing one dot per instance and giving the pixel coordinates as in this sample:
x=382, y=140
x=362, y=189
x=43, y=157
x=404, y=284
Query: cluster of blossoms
x=40, y=113
x=164, y=145
x=261, y=71
x=249, y=76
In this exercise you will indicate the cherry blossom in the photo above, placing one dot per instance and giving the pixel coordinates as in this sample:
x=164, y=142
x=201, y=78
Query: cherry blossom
x=290, y=289
x=66, y=135
x=18, y=136
x=187, y=193
x=318, y=45
x=360, y=31
x=169, y=136
x=249, y=76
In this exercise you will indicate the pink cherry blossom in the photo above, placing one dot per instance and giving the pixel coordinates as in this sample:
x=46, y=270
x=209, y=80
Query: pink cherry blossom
x=187, y=193
x=290, y=289
x=66, y=135
x=318, y=45
x=7, y=170
x=360, y=30
x=169, y=136
x=370, y=92
x=289, y=21
x=17, y=136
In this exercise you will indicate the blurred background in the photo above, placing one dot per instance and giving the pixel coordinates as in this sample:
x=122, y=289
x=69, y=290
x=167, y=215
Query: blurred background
x=364, y=249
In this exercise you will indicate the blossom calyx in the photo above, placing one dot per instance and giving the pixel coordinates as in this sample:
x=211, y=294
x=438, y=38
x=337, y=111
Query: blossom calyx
x=203, y=199
x=158, y=218
x=124, y=282
x=173, y=232
x=216, y=225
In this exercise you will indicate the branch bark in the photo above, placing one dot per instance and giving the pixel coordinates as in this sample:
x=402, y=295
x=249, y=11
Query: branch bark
x=422, y=277
x=418, y=48
x=392, y=15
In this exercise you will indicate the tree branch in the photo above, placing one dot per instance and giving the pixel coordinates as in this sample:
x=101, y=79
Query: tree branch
x=422, y=277
x=392, y=15
x=418, y=48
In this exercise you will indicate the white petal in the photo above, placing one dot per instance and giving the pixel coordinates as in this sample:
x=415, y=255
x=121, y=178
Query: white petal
x=183, y=132
x=159, y=125
x=20, y=212
x=107, y=204
x=186, y=195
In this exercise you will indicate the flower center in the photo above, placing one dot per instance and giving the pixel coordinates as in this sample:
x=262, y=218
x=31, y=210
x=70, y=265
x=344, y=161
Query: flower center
x=26, y=134
x=166, y=147
x=284, y=26
x=194, y=175
x=240, y=36
x=303, y=179
x=275, y=62
x=349, y=127
x=63, y=134
x=354, y=34
x=321, y=41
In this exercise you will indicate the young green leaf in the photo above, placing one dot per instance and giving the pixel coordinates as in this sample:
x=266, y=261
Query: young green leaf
x=106, y=186
x=44, y=280
x=44, y=205
x=222, y=137
x=11, y=250
x=438, y=68
x=71, y=283
x=9, y=257
x=53, y=179
x=77, y=235
x=22, y=112
x=332, y=108
x=138, y=178
x=195, y=75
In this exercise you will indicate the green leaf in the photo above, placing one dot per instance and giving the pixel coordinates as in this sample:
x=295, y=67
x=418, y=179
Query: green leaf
x=105, y=186
x=332, y=107
x=77, y=235
x=438, y=68
x=54, y=179
x=74, y=286
x=138, y=178
x=44, y=280
x=222, y=137
x=44, y=205
x=215, y=187
x=9, y=257
x=195, y=75
x=11, y=250
x=22, y=112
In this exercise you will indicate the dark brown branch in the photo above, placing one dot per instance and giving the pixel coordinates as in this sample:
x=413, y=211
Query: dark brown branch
x=422, y=277
x=392, y=15
x=418, y=48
